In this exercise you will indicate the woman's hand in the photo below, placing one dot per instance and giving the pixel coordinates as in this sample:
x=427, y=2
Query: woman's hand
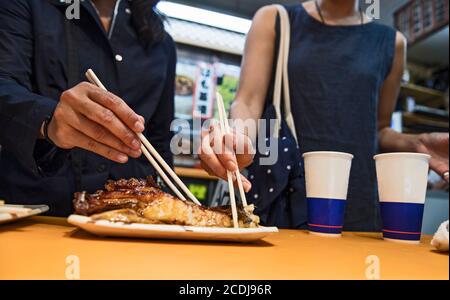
x=220, y=153
x=436, y=145
x=88, y=117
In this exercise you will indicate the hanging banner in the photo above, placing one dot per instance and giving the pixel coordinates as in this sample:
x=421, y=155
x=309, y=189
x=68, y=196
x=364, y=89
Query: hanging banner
x=204, y=95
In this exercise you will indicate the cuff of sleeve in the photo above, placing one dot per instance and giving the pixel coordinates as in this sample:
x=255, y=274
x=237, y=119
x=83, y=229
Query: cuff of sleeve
x=31, y=150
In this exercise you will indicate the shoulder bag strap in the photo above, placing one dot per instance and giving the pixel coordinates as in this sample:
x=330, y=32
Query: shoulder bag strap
x=282, y=75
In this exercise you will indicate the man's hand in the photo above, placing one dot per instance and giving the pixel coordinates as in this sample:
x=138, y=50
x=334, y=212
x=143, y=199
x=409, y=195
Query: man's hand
x=220, y=153
x=436, y=145
x=88, y=117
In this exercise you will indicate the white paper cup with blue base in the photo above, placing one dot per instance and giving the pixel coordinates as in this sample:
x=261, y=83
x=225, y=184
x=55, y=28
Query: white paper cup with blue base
x=402, y=187
x=327, y=176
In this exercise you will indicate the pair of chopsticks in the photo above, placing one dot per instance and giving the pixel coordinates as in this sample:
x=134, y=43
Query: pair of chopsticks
x=153, y=156
x=225, y=128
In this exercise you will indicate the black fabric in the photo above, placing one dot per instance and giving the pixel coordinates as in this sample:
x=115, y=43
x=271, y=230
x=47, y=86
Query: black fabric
x=34, y=72
x=278, y=190
x=76, y=158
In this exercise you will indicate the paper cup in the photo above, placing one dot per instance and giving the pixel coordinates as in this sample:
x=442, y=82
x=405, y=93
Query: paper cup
x=402, y=187
x=327, y=176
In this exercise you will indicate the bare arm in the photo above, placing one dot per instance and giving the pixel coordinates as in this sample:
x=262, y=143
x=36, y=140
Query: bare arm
x=435, y=144
x=389, y=139
x=256, y=67
x=249, y=103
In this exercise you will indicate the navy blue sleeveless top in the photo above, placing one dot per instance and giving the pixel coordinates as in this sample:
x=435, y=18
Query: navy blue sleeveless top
x=336, y=74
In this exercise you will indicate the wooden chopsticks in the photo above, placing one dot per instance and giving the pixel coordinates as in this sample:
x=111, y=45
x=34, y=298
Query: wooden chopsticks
x=225, y=128
x=153, y=156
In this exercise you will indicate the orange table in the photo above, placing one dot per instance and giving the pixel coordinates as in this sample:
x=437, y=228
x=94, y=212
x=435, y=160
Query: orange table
x=44, y=248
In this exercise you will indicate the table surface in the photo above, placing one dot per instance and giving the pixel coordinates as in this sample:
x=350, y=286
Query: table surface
x=42, y=248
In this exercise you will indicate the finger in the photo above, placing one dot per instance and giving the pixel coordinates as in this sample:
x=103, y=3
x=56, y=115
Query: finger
x=106, y=118
x=244, y=150
x=118, y=107
x=209, y=158
x=223, y=174
x=208, y=170
x=89, y=144
x=223, y=147
x=246, y=184
x=440, y=168
x=102, y=135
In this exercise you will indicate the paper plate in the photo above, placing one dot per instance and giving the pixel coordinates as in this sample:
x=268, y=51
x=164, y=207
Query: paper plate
x=11, y=213
x=173, y=232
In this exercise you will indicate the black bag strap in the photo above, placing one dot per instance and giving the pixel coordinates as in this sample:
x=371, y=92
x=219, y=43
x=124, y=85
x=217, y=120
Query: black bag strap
x=73, y=68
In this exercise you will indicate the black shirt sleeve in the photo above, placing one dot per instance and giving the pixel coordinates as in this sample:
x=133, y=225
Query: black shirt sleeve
x=158, y=129
x=22, y=112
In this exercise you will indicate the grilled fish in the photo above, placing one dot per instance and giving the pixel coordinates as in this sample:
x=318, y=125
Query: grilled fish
x=142, y=201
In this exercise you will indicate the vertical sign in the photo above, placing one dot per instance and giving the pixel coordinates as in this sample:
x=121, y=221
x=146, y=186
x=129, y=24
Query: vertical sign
x=205, y=85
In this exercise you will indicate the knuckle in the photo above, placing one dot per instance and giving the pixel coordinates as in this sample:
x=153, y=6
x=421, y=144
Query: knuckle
x=91, y=145
x=99, y=133
x=128, y=137
x=131, y=117
x=110, y=153
x=59, y=113
x=67, y=95
x=114, y=100
x=84, y=85
x=107, y=116
x=107, y=99
x=88, y=87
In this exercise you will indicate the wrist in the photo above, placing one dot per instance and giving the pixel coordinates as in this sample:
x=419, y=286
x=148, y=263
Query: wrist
x=45, y=130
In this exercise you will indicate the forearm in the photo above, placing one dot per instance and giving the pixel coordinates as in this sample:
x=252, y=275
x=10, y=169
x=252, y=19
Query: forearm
x=247, y=112
x=393, y=141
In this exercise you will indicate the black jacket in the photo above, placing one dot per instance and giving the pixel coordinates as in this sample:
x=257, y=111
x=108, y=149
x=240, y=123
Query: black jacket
x=34, y=71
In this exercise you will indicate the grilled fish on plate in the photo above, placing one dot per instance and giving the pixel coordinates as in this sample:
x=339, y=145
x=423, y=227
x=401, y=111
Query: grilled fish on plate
x=142, y=201
x=141, y=204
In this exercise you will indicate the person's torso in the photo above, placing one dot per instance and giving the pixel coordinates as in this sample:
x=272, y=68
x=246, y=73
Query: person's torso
x=336, y=75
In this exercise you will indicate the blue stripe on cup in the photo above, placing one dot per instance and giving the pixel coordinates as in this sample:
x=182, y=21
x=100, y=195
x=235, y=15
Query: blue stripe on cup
x=326, y=215
x=402, y=221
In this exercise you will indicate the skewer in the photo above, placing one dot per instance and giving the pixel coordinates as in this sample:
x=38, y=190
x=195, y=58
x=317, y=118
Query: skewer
x=156, y=158
x=228, y=131
x=223, y=128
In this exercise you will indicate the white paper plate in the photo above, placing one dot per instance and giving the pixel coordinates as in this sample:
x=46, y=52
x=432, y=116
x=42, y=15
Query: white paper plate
x=173, y=232
x=11, y=213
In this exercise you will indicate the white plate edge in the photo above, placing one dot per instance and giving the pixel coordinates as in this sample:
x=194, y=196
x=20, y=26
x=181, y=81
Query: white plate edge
x=79, y=220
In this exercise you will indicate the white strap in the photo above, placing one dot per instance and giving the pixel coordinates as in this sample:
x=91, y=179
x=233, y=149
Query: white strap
x=282, y=75
x=279, y=75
